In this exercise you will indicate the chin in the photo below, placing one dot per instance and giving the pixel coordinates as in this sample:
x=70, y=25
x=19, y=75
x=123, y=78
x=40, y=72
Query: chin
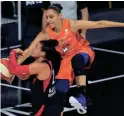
x=31, y=55
x=52, y=26
x=34, y=56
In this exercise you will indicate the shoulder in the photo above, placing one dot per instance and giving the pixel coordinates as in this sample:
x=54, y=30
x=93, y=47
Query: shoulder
x=44, y=71
x=79, y=24
x=66, y=23
x=73, y=25
x=40, y=65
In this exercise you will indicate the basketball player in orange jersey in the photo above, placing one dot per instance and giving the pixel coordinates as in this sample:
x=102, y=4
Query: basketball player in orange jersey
x=44, y=97
x=76, y=53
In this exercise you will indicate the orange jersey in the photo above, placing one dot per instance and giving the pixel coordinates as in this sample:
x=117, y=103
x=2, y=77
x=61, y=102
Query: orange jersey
x=68, y=43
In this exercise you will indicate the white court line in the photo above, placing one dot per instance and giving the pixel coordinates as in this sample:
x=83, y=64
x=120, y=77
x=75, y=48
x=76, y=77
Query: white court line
x=23, y=105
x=19, y=112
x=110, y=51
x=68, y=109
x=11, y=47
x=89, y=82
x=11, y=109
x=106, y=79
x=7, y=113
x=8, y=110
x=102, y=80
x=16, y=87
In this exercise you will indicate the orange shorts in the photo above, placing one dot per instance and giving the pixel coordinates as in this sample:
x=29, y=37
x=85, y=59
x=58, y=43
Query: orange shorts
x=66, y=71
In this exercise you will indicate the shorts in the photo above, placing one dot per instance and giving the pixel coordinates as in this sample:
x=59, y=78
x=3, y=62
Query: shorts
x=66, y=71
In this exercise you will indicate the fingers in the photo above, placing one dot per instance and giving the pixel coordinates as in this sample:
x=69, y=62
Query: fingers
x=19, y=51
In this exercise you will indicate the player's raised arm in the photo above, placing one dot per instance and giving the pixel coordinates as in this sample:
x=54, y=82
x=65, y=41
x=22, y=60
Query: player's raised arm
x=41, y=36
x=79, y=24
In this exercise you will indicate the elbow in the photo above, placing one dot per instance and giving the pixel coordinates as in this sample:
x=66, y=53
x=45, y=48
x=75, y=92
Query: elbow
x=101, y=24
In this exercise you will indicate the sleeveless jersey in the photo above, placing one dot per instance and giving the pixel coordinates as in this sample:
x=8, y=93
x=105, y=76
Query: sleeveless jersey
x=43, y=92
x=69, y=42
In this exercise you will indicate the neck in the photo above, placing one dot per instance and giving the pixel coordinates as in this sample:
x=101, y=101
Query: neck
x=40, y=59
x=59, y=27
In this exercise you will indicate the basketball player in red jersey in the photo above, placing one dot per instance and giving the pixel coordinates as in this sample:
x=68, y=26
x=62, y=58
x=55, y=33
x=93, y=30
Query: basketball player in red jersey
x=43, y=93
x=76, y=53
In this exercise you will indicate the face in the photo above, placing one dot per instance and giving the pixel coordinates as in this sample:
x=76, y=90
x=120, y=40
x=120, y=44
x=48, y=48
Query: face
x=53, y=18
x=37, y=53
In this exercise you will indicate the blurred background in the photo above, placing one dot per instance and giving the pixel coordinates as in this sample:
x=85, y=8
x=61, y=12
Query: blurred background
x=22, y=21
x=31, y=18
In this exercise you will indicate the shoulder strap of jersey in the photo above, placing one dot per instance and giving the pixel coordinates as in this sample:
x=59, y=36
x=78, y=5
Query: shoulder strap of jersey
x=66, y=23
x=52, y=70
x=49, y=63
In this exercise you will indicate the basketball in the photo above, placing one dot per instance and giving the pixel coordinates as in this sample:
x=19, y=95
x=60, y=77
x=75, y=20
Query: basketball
x=4, y=72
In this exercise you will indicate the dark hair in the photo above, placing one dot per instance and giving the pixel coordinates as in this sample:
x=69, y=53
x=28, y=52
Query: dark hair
x=56, y=7
x=49, y=47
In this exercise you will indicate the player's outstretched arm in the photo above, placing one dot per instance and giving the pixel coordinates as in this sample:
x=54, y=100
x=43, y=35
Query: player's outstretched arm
x=26, y=53
x=79, y=24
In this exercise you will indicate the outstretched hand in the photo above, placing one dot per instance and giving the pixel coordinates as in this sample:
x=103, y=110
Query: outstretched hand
x=18, y=51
